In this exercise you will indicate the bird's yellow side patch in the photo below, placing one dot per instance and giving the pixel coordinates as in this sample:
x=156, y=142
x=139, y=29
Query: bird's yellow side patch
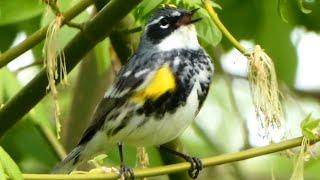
x=162, y=82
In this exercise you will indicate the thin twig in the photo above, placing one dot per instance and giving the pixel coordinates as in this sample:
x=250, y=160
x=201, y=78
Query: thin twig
x=207, y=162
x=56, y=10
x=53, y=5
x=79, y=26
x=37, y=63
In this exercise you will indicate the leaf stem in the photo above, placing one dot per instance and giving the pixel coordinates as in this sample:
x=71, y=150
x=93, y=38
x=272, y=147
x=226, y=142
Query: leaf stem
x=36, y=63
x=53, y=5
x=222, y=28
x=39, y=35
x=156, y=171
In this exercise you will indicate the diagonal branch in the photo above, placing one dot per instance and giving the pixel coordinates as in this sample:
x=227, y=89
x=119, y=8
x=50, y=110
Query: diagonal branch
x=39, y=35
x=94, y=31
x=156, y=171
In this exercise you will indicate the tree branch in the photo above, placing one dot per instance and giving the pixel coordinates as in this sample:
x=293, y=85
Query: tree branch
x=95, y=30
x=156, y=171
x=39, y=35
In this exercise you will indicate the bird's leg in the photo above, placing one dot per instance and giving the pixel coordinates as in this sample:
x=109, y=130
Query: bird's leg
x=196, y=163
x=125, y=172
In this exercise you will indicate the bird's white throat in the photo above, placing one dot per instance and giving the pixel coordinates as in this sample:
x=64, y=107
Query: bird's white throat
x=185, y=37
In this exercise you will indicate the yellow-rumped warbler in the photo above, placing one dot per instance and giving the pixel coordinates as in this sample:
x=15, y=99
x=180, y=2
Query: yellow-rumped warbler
x=155, y=96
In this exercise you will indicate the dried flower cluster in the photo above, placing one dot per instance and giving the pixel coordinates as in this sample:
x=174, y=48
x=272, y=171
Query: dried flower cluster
x=264, y=92
x=54, y=59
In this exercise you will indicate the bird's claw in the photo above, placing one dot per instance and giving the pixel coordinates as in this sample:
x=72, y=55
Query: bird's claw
x=126, y=172
x=196, y=166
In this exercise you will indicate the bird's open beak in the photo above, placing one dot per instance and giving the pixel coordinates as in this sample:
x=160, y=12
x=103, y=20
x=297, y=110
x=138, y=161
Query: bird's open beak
x=186, y=18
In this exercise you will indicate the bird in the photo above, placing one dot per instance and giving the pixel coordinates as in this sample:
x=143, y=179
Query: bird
x=154, y=97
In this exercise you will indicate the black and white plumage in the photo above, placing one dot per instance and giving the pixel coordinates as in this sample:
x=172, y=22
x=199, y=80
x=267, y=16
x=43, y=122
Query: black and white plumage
x=132, y=112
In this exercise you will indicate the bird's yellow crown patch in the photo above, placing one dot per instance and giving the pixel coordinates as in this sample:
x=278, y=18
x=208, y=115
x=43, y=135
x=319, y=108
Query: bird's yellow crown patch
x=163, y=81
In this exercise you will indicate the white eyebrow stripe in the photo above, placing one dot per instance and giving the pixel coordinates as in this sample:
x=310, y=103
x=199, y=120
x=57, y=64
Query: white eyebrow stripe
x=156, y=20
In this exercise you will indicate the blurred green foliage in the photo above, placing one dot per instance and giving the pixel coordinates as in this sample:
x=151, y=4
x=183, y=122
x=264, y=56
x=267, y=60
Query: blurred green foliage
x=15, y=11
x=265, y=22
x=8, y=167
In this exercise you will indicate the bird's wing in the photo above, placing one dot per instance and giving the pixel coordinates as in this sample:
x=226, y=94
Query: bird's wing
x=117, y=95
x=124, y=87
x=103, y=108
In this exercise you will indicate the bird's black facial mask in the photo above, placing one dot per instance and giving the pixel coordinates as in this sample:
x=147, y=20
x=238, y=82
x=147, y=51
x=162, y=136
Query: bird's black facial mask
x=165, y=21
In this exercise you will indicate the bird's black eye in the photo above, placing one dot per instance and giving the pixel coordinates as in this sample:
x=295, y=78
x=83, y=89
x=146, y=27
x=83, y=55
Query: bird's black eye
x=164, y=24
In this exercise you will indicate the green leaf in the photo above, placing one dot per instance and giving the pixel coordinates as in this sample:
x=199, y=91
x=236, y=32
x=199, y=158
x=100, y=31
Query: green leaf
x=306, y=120
x=310, y=127
x=13, y=11
x=9, y=166
x=313, y=124
x=207, y=30
x=302, y=8
x=98, y=160
x=2, y=173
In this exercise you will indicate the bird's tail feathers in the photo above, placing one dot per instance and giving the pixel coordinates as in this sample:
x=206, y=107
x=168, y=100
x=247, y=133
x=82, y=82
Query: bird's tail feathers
x=70, y=162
